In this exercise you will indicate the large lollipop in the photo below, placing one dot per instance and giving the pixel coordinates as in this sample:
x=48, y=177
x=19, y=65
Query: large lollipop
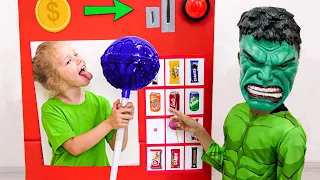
x=129, y=63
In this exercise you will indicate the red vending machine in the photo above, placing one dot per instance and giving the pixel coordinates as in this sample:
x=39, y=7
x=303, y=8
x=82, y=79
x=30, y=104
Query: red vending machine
x=182, y=33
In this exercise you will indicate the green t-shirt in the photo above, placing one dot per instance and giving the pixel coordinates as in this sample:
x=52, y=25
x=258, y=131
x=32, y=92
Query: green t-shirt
x=63, y=121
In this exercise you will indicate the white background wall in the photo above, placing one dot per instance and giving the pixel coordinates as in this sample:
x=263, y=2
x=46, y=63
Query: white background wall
x=303, y=101
x=11, y=127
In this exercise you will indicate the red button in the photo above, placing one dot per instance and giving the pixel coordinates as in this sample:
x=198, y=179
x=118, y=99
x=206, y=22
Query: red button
x=196, y=8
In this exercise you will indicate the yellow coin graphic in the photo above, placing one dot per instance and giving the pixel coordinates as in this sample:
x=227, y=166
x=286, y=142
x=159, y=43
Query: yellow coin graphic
x=53, y=15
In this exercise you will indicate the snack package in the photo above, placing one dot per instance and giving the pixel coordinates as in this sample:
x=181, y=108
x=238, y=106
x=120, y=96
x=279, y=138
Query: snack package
x=175, y=158
x=194, y=71
x=194, y=157
x=174, y=72
x=156, y=159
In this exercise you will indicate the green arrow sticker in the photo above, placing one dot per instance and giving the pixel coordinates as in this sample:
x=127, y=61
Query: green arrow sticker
x=119, y=9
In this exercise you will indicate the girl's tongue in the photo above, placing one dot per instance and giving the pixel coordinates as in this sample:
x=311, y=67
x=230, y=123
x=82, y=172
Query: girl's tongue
x=86, y=74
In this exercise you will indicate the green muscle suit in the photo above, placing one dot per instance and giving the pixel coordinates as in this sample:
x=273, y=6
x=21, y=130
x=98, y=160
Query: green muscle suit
x=262, y=139
x=259, y=146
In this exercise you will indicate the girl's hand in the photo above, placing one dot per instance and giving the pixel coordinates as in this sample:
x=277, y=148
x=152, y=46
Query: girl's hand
x=128, y=105
x=120, y=116
x=184, y=122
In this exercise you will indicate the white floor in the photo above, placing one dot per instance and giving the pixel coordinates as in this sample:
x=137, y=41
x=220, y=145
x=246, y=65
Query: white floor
x=311, y=172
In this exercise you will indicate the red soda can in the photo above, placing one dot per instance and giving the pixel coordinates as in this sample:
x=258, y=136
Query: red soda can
x=174, y=100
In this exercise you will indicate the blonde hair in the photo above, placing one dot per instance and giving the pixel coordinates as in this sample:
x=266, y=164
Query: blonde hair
x=44, y=67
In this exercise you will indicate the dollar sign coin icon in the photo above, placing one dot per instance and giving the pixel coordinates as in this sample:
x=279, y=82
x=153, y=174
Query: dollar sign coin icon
x=53, y=15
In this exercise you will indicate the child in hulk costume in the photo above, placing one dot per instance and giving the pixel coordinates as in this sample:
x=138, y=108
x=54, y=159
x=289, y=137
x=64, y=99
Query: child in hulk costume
x=262, y=139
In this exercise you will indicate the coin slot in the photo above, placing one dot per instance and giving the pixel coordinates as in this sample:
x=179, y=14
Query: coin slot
x=168, y=11
x=168, y=15
x=153, y=17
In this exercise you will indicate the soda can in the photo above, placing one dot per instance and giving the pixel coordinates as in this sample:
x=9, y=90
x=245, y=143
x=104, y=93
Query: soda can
x=174, y=99
x=155, y=104
x=194, y=101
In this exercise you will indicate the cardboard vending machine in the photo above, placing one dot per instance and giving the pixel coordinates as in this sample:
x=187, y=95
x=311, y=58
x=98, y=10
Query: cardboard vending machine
x=182, y=33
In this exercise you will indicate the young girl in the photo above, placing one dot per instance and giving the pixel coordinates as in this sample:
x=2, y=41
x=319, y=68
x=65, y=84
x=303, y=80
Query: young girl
x=77, y=122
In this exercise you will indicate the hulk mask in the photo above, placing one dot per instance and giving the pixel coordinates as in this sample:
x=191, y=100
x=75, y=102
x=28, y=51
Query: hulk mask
x=268, y=70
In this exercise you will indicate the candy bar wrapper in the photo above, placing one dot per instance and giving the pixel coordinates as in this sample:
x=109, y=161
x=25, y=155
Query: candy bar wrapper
x=174, y=72
x=194, y=157
x=155, y=80
x=194, y=71
x=193, y=136
x=156, y=159
x=175, y=158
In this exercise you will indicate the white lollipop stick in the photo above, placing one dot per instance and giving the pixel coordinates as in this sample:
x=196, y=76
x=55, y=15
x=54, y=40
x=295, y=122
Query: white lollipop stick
x=117, y=148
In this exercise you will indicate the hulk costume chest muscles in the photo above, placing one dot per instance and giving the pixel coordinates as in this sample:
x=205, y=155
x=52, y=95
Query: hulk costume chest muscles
x=252, y=145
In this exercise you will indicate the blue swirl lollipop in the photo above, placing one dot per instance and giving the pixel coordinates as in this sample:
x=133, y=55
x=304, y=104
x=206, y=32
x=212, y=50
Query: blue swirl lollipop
x=129, y=63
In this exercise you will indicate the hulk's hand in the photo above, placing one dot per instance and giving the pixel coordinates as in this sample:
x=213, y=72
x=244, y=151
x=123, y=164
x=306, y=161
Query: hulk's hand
x=184, y=122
